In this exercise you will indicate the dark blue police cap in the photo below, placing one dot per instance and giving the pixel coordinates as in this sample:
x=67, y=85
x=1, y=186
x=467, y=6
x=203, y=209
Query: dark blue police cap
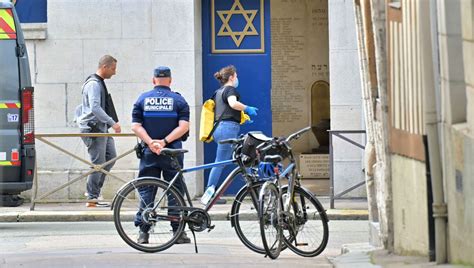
x=162, y=71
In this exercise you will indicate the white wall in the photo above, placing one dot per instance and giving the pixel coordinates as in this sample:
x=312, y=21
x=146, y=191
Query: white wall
x=141, y=34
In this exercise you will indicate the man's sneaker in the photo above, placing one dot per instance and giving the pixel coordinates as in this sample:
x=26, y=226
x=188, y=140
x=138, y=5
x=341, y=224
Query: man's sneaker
x=143, y=237
x=91, y=204
x=97, y=204
x=103, y=204
x=183, y=239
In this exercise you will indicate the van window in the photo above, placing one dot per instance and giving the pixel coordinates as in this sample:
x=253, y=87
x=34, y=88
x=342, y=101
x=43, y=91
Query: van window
x=9, y=80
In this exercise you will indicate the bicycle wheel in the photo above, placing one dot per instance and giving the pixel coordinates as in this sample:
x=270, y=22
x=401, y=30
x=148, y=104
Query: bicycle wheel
x=305, y=225
x=244, y=218
x=133, y=207
x=269, y=207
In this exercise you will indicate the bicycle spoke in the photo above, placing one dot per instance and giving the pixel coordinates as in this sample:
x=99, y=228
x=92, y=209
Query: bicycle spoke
x=270, y=207
x=133, y=208
x=307, y=232
x=244, y=218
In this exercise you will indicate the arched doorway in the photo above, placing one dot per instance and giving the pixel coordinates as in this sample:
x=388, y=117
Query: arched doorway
x=321, y=114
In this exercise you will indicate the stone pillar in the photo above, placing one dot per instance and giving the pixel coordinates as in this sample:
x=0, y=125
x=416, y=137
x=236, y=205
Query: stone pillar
x=346, y=98
x=177, y=44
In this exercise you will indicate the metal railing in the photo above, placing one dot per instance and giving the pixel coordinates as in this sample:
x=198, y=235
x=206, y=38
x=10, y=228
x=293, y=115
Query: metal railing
x=93, y=167
x=100, y=168
x=339, y=134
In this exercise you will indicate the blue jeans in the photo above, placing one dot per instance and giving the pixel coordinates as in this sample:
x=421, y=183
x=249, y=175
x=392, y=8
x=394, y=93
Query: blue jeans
x=225, y=130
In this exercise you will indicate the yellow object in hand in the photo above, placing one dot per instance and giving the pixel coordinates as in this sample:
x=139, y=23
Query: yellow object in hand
x=244, y=117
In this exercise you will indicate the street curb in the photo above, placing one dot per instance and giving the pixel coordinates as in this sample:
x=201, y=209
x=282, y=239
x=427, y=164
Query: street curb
x=355, y=255
x=347, y=214
x=74, y=216
x=9, y=217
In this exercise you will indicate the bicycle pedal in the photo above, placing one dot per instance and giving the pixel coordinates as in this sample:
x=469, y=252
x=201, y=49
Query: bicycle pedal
x=301, y=244
x=210, y=228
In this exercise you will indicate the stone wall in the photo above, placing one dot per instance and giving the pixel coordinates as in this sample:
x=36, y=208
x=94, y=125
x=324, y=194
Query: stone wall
x=457, y=23
x=314, y=41
x=141, y=34
x=410, y=206
x=300, y=57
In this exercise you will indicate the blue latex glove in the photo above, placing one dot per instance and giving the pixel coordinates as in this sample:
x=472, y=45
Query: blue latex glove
x=251, y=110
x=248, y=122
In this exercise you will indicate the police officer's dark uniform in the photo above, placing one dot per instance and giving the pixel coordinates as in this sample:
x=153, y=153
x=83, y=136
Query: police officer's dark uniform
x=159, y=112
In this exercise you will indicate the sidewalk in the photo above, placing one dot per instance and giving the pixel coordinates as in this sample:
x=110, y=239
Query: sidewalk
x=346, y=210
x=363, y=255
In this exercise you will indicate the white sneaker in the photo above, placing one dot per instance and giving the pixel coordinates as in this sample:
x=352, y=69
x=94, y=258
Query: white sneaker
x=97, y=204
x=103, y=204
x=101, y=197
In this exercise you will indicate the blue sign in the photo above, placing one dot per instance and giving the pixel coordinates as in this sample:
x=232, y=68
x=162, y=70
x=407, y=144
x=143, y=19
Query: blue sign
x=31, y=11
x=237, y=32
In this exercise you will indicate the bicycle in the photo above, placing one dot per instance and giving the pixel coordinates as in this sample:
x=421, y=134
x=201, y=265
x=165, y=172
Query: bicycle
x=170, y=207
x=288, y=213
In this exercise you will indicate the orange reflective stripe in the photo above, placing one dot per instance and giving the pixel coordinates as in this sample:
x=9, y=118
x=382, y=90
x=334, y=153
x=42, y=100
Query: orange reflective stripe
x=10, y=163
x=7, y=16
x=10, y=105
x=7, y=24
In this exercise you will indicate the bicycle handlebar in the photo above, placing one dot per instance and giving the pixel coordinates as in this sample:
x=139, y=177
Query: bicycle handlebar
x=266, y=148
x=278, y=141
x=297, y=134
x=231, y=141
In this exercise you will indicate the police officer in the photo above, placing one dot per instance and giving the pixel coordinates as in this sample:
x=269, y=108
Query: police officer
x=160, y=117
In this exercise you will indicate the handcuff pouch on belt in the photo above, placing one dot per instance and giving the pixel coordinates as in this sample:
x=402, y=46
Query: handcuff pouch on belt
x=93, y=127
x=140, y=149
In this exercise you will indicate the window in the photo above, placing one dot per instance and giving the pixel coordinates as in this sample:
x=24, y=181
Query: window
x=31, y=11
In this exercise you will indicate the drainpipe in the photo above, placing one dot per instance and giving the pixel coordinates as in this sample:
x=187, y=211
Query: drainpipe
x=433, y=120
x=429, y=203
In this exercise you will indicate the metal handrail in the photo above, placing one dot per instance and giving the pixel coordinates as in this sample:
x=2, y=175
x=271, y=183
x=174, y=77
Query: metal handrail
x=94, y=168
x=338, y=133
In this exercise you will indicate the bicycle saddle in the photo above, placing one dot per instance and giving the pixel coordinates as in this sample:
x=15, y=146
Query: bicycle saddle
x=259, y=136
x=173, y=152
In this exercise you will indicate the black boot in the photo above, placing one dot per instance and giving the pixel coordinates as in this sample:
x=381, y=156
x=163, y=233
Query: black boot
x=183, y=239
x=143, y=237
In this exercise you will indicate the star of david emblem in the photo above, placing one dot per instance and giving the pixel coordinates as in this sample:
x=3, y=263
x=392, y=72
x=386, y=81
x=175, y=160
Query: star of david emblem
x=238, y=26
x=226, y=30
